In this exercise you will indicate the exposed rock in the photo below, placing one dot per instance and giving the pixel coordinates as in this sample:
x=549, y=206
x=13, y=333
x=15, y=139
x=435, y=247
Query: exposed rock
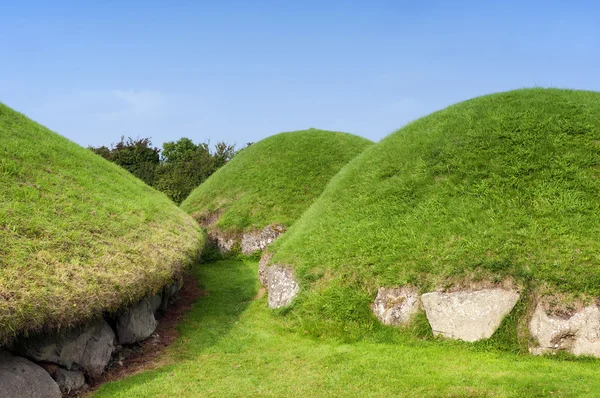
x=259, y=240
x=89, y=348
x=169, y=291
x=282, y=286
x=468, y=316
x=224, y=243
x=136, y=323
x=156, y=302
x=396, y=306
x=22, y=378
x=263, y=269
x=578, y=334
x=68, y=381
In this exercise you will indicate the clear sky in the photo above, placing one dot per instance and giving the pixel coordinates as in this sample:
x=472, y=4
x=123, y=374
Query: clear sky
x=238, y=71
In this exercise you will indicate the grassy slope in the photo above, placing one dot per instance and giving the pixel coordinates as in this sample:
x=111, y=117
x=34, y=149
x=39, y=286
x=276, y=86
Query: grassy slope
x=232, y=346
x=501, y=185
x=274, y=180
x=78, y=235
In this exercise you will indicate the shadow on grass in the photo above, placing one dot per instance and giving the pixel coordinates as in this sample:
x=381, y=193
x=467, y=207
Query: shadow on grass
x=230, y=286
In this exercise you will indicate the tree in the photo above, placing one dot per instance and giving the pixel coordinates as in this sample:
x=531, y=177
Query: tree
x=135, y=155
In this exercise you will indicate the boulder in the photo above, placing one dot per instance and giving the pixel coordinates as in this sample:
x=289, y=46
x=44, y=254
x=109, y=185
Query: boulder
x=88, y=348
x=156, y=302
x=68, y=381
x=468, y=315
x=224, y=243
x=396, y=306
x=20, y=378
x=281, y=285
x=259, y=240
x=169, y=291
x=137, y=323
x=263, y=269
x=578, y=334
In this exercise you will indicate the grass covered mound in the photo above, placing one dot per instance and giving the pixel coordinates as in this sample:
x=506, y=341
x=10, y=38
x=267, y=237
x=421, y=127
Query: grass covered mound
x=504, y=186
x=274, y=180
x=78, y=234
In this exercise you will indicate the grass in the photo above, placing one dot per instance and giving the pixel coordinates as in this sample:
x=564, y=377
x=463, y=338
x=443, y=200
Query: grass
x=78, y=235
x=501, y=187
x=231, y=345
x=273, y=181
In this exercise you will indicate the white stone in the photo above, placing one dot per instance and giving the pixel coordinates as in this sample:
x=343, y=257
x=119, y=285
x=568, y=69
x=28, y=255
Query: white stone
x=396, y=306
x=578, y=334
x=259, y=240
x=282, y=286
x=468, y=316
x=263, y=269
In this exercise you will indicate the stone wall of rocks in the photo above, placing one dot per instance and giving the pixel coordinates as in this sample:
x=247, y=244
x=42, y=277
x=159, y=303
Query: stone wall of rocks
x=61, y=363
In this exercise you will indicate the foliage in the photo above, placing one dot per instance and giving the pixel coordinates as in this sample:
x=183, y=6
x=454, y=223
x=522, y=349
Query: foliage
x=231, y=345
x=78, y=235
x=135, y=155
x=180, y=167
x=274, y=180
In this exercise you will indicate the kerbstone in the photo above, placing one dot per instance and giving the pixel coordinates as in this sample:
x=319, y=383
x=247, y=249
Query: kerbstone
x=69, y=381
x=578, y=334
x=468, y=315
x=20, y=378
x=263, y=269
x=137, y=323
x=88, y=348
x=259, y=240
x=282, y=286
x=396, y=306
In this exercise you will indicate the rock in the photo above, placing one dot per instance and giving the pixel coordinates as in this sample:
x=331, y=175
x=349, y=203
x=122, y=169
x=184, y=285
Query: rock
x=224, y=243
x=263, y=268
x=468, y=316
x=578, y=334
x=169, y=291
x=20, y=378
x=259, y=240
x=88, y=348
x=396, y=306
x=136, y=323
x=69, y=382
x=156, y=302
x=282, y=286
x=98, y=350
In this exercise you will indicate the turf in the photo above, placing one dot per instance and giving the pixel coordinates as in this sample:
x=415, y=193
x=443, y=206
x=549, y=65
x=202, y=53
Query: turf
x=78, y=234
x=273, y=181
x=231, y=345
x=501, y=187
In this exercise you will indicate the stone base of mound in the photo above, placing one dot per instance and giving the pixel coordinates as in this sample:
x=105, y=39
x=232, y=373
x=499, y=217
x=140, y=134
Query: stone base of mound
x=63, y=363
x=248, y=243
x=279, y=280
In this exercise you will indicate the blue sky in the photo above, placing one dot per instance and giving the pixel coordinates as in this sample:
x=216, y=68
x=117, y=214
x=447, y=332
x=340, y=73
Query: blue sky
x=238, y=71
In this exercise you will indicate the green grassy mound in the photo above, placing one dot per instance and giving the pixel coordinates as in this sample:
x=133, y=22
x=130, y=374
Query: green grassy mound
x=504, y=186
x=274, y=180
x=78, y=234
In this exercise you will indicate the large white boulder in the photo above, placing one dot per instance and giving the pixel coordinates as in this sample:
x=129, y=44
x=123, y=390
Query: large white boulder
x=396, y=306
x=578, y=333
x=281, y=285
x=468, y=315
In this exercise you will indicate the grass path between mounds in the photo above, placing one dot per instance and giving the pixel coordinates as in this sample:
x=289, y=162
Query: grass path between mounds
x=232, y=345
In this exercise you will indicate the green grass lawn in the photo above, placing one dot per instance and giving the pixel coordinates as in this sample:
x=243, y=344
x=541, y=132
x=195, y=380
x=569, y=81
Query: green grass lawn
x=232, y=345
x=78, y=234
x=273, y=180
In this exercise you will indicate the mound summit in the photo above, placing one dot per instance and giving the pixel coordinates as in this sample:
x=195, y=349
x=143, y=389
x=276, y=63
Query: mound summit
x=500, y=189
x=79, y=236
x=270, y=183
